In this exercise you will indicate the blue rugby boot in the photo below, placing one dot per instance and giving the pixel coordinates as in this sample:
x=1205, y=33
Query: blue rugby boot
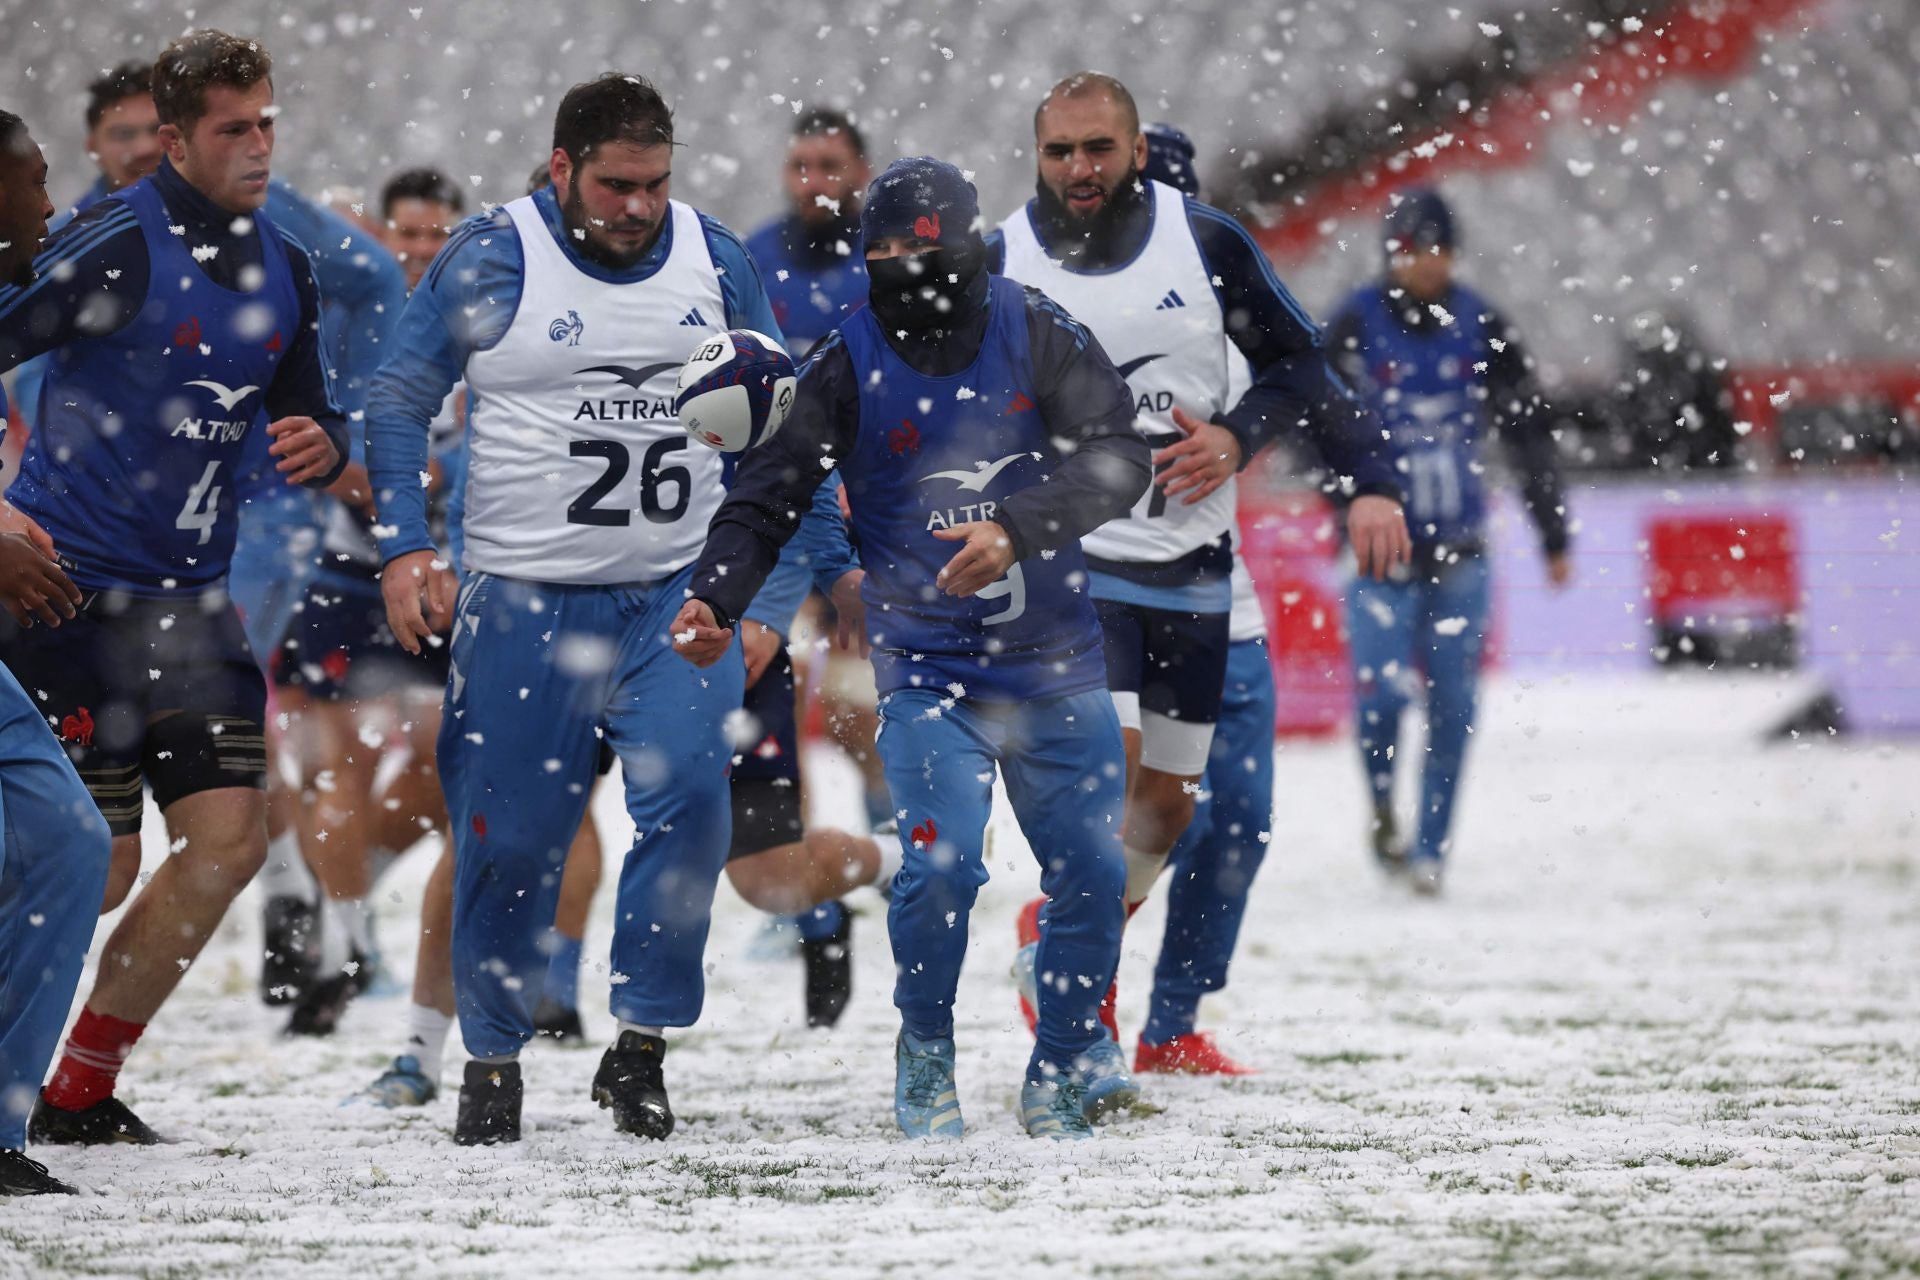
x=403, y=1084
x=1055, y=1109
x=1106, y=1083
x=925, y=1102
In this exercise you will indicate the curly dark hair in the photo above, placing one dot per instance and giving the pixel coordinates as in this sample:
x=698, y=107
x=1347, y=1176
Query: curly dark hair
x=613, y=107
x=198, y=61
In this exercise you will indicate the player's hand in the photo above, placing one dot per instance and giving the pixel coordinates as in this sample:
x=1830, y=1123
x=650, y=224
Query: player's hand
x=759, y=642
x=14, y=520
x=984, y=560
x=304, y=450
x=1201, y=463
x=32, y=585
x=851, y=630
x=1377, y=530
x=407, y=581
x=1559, y=570
x=698, y=636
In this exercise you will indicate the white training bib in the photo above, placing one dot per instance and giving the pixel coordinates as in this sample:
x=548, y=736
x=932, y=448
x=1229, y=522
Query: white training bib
x=1160, y=323
x=580, y=471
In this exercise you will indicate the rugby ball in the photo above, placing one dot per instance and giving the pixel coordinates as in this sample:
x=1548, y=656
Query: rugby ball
x=735, y=390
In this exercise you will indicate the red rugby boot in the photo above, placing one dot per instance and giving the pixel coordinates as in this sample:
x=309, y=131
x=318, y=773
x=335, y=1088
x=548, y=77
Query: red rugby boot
x=1194, y=1055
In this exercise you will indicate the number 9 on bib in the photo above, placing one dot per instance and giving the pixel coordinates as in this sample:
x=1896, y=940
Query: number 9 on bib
x=735, y=390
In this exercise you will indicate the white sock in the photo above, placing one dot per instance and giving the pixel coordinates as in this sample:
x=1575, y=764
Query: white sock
x=379, y=860
x=358, y=917
x=285, y=874
x=1143, y=869
x=427, y=1030
x=657, y=1032
x=891, y=856
x=336, y=937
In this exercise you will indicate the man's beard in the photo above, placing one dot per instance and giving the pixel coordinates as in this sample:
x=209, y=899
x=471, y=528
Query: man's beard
x=1089, y=233
x=1091, y=226
x=573, y=214
x=828, y=233
x=818, y=217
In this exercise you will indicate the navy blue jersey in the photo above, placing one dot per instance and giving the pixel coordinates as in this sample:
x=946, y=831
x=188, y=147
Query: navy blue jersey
x=949, y=434
x=935, y=452
x=362, y=292
x=815, y=278
x=144, y=430
x=1429, y=390
x=1388, y=344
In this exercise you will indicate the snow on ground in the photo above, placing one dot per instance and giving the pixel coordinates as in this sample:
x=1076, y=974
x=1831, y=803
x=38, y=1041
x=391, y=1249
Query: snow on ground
x=1665, y=1022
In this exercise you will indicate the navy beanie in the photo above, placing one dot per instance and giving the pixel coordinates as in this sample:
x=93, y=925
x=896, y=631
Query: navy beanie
x=1170, y=158
x=1421, y=220
x=923, y=197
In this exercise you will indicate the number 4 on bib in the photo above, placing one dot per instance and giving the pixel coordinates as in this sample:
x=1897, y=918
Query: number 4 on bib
x=202, y=509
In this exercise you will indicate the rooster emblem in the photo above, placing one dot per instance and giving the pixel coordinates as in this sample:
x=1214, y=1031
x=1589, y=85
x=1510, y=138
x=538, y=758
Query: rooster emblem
x=903, y=439
x=78, y=728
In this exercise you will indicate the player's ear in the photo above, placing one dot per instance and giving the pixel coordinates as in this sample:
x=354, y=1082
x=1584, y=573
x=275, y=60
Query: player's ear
x=1139, y=152
x=560, y=171
x=174, y=142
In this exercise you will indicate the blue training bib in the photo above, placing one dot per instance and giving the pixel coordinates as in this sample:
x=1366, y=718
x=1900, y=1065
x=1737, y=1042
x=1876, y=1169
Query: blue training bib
x=145, y=432
x=933, y=453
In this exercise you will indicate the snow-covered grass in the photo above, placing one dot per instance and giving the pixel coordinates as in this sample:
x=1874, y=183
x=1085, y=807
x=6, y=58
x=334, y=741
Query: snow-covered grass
x=1665, y=1022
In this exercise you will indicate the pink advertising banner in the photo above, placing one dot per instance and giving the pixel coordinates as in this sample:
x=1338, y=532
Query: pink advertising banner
x=1819, y=574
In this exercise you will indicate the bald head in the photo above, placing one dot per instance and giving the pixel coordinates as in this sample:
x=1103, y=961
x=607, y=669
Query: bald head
x=1086, y=85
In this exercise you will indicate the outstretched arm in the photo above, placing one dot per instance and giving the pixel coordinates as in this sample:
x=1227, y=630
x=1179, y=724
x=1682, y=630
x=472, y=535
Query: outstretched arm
x=773, y=488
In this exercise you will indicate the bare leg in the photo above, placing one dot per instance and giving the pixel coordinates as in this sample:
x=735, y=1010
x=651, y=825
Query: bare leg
x=853, y=728
x=122, y=871
x=433, y=966
x=1159, y=807
x=413, y=804
x=818, y=868
x=220, y=840
x=340, y=769
x=579, y=881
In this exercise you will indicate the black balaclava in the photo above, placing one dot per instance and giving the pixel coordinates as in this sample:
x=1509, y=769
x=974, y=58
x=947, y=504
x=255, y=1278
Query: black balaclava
x=935, y=291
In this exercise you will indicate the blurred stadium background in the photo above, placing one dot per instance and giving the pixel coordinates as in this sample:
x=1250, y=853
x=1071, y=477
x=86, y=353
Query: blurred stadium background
x=1697, y=212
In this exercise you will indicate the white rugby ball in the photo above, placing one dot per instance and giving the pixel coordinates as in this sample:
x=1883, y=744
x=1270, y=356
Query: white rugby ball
x=735, y=390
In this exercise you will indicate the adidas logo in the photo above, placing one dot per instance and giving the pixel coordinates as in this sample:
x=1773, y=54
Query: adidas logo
x=1172, y=300
x=697, y=320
